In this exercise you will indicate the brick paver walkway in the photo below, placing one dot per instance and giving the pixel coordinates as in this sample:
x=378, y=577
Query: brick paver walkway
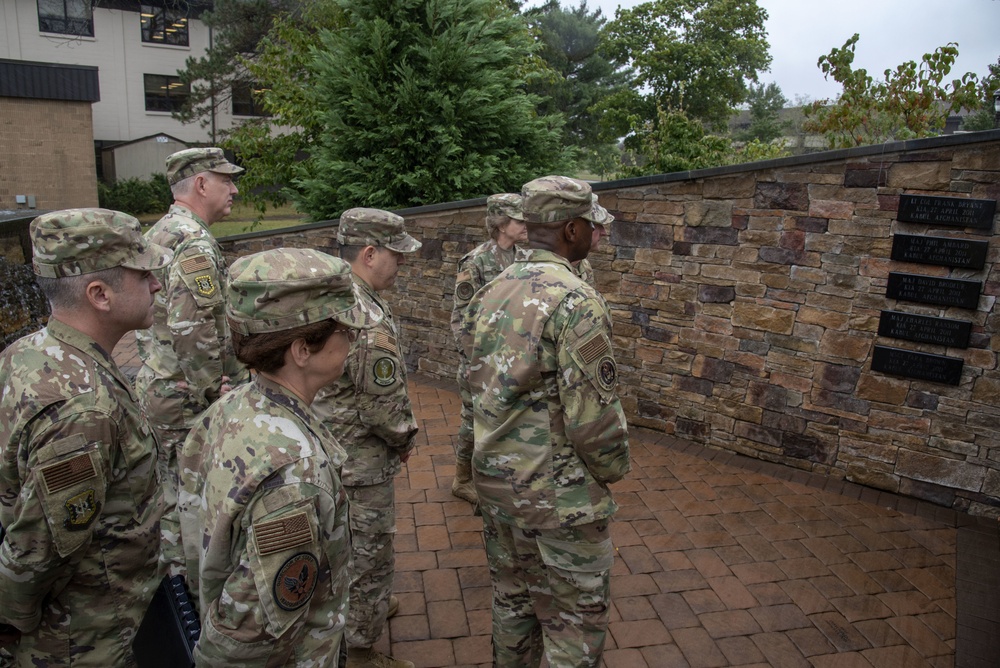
x=722, y=561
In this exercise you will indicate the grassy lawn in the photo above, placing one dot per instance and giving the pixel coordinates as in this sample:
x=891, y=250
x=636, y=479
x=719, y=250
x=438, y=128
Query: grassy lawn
x=244, y=219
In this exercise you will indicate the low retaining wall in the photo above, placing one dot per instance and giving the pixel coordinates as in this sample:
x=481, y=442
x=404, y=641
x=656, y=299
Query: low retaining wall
x=747, y=303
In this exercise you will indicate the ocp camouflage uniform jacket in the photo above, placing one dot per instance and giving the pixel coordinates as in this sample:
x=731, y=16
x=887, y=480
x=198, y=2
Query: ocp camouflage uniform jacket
x=367, y=408
x=189, y=340
x=550, y=434
x=80, y=500
x=268, y=562
x=476, y=268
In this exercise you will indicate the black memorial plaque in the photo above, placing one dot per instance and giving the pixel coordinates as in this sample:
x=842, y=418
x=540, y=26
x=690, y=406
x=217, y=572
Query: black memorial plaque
x=950, y=211
x=922, y=366
x=925, y=329
x=944, y=251
x=933, y=290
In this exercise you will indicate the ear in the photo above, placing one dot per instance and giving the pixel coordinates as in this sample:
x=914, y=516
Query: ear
x=99, y=295
x=368, y=253
x=299, y=353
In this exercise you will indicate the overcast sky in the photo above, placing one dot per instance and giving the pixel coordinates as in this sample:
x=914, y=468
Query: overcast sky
x=892, y=32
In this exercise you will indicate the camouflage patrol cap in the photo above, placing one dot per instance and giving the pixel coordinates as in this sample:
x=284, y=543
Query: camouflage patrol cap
x=81, y=241
x=375, y=227
x=598, y=214
x=553, y=199
x=285, y=288
x=504, y=204
x=191, y=161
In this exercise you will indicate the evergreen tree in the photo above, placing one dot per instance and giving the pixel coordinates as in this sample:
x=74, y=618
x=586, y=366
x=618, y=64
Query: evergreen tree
x=983, y=117
x=422, y=101
x=766, y=103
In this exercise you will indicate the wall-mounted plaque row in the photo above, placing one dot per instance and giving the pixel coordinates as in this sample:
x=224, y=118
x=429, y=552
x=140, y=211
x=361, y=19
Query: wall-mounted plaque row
x=922, y=366
x=933, y=290
x=944, y=251
x=925, y=329
x=950, y=211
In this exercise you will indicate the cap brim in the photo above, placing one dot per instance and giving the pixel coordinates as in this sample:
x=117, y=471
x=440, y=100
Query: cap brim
x=405, y=245
x=365, y=314
x=153, y=257
x=598, y=215
x=228, y=168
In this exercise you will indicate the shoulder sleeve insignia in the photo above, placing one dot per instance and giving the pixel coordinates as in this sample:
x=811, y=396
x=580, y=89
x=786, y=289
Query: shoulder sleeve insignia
x=196, y=263
x=386, y=342
x=607, y=373
x=464, y=291
x=205, y=285
x=296, y=581
x=67, y=473
x=384, y=372
x=283, y=533
x=593, y=348
x=81, y=509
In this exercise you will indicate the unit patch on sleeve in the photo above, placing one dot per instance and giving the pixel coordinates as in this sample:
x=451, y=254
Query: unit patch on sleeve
x=464, y=291
x=607, y=373
x=81, y=510
x=205, y=285
x=295, y=582
x=385, y=372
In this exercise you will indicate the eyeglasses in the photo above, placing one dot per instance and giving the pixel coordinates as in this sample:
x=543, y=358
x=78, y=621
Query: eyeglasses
x=349, y=332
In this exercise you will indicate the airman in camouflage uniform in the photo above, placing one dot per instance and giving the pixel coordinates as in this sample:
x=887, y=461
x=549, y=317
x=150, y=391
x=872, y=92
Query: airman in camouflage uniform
x=264, y=516
x=602, y=227
x=80, y=498
x=550, y=435
x=369, y=412
x=187, y=355
x=477, y=268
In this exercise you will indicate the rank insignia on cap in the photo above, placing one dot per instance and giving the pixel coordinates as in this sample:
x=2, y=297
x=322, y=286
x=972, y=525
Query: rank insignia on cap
x=81, y=510
x=607, y=373
x=206, y=286
x=295, y=582
x=385, y=372
x=465, y=291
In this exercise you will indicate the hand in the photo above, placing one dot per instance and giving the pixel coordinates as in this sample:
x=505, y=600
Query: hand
x=226, y=387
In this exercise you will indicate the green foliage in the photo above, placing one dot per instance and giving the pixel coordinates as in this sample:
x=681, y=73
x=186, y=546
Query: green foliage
x=912, y=101
x=136, y=196
x=677, y=143
x=983, y=116
x=693, y=56
x=578, y=77
x=766, y=103
x=420, y=102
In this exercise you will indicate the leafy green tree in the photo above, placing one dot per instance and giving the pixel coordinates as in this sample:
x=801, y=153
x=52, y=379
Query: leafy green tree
x=578, y=77
x=983, y=117
x=766, y=103
x=912, y=101
x=423, y=101
x=237, y=28
x=694, y=56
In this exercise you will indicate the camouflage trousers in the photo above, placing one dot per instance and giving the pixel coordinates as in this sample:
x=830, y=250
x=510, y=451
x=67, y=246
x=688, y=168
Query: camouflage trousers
x=464, y=445
x=373, y=562
x=168, y=444
x=551, y=592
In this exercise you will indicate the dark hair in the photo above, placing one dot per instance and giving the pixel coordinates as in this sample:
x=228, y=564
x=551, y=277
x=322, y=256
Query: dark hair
x=67, y=292
x=348, y=253
x=266, y=351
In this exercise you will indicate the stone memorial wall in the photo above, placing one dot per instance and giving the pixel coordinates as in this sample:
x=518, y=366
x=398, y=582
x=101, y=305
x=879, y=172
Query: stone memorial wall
x=833, y=312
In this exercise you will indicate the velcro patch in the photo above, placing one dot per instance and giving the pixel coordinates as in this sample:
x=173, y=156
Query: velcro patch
x=593, y=349
x=197, y=263
x=385, y=372
x=205, y=284
x=81, y=510
x=385, y=341
x=283, y=534
x=464, y=291
x=67, y=473
x=295, y=582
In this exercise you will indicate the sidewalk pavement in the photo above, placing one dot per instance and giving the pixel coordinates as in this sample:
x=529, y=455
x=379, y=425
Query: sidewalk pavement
x=722, y=560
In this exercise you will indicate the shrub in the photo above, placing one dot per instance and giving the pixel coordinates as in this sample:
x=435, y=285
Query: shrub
x=136, y=196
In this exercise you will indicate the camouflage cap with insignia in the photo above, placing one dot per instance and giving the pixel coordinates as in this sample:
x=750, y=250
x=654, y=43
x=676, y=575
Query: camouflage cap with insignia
x=375, y=227
x=504, y=204
x=81, y=241
x=598, y=214
x=553, y=199
x=191, y=161
x=289, y=287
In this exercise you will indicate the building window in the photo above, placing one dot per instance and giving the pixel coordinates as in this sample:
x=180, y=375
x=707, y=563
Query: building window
x=164, y=92
x=163, y=26
x=245, y=103
x=66, y=17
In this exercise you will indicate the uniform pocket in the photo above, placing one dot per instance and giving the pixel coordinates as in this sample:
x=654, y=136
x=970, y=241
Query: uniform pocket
x=72, y=489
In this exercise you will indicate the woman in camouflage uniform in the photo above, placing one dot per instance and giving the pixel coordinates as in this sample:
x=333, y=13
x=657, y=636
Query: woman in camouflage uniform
x=263, y=511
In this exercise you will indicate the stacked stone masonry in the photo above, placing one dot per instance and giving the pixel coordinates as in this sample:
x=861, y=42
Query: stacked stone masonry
x=746, y=303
